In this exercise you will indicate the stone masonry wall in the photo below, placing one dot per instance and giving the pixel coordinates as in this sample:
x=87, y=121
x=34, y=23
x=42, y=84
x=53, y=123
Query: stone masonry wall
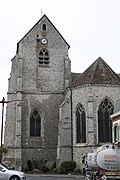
x=37, y=86
x=95, y=95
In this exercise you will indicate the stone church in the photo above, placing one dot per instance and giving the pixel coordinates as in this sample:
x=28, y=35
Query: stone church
x=55, y=114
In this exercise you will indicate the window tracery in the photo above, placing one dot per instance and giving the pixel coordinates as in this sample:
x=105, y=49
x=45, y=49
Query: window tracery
x=35, y=123
x=80, y=125
x=104, y=123
x=44, y=57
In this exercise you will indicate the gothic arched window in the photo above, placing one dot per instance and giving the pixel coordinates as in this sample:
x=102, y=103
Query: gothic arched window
x=104, y=123
x=80, y=125
x=44, y=57
x=44, y=27
x=35, y=123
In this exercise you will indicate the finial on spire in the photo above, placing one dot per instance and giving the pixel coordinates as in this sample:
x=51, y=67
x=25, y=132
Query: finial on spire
x=41, y=12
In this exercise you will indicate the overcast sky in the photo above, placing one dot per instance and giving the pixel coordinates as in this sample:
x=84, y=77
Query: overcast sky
x=90, y=27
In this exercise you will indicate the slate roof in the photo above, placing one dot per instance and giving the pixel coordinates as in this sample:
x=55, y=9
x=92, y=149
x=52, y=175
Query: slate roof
x=98, y=73
x=74, y=76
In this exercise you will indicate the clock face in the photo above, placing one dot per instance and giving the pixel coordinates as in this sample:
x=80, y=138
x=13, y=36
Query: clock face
x=44, y=41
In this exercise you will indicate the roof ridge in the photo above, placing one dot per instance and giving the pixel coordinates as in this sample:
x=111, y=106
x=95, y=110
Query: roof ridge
x=110, y=69
x=96, y=64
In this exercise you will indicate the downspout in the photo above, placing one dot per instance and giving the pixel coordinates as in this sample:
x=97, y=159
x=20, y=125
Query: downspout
x=71, y=126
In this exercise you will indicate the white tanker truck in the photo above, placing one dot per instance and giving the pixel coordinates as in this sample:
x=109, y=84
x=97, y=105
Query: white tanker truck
x=104, y=163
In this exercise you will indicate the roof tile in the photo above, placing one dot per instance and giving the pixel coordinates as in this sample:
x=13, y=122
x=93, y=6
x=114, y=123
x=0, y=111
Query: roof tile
x=98, y=73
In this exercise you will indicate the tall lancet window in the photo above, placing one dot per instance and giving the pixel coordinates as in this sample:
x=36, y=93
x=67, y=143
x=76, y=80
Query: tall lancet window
x=35, y=123
x=44, y=27
x=104, y=123
x=80, y=124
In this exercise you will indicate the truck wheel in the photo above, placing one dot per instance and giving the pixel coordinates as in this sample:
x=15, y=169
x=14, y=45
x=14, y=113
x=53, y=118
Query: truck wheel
x=14, y=178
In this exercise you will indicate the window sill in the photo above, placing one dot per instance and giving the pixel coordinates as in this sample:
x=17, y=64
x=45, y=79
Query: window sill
x=44, y=66
x=80, y=144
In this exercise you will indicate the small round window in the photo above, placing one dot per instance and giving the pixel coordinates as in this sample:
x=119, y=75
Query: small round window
x=44, y=57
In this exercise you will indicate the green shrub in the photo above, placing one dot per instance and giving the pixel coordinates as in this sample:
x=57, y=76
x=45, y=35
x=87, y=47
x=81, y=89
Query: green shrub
x=40, y=164
x=44, y=169
x=77, y=170
x=4, y=149
x=61, y=170
x=55, y=170
x=68, y=166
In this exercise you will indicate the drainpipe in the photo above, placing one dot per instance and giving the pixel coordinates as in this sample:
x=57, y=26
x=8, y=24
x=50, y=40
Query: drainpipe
x=71, y=127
